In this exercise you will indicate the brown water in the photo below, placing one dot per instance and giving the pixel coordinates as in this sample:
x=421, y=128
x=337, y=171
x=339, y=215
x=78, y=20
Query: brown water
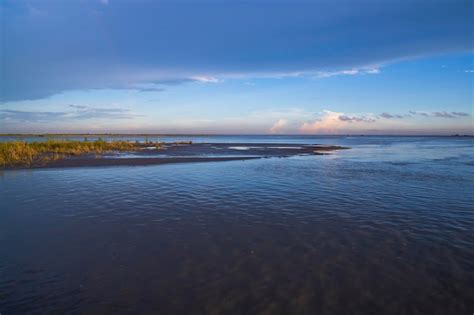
x=386, y=227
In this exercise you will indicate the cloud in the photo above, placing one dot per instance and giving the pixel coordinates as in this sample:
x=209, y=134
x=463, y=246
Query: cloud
x=78, y=45
x=106, y=2
x=440, y=114
x=78, y=106
x=278, y=126
x=355, y=119
x=205, y=79
x=373, y=71
x=460, y=114
x=80, y=113
x=391, y=116
x=27, y=116
x=326, y=74
x=443, y=115
x=280, y=120
x=81, y=118
x=425, y=114
x=328, y=122
x=331, y=122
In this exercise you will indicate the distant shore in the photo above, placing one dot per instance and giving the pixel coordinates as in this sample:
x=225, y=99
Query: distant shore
x=97, y=135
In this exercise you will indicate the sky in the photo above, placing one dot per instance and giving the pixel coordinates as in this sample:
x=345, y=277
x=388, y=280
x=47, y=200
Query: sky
x=237, y=67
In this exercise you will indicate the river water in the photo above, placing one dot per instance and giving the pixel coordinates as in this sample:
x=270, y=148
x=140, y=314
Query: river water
x=386, y=227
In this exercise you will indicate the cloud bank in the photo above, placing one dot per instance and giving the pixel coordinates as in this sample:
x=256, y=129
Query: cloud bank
x=331, y=122
x=272, y=121
x=53, y=46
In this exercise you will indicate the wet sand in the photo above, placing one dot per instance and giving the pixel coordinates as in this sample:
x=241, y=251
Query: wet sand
x=149, y=154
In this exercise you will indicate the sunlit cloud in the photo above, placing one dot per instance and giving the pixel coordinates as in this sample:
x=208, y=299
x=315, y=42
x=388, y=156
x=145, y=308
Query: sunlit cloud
x=329, y=122
x=279, y=126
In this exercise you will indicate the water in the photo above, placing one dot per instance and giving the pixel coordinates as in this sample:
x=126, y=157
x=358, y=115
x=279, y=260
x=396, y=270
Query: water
x=386, y=227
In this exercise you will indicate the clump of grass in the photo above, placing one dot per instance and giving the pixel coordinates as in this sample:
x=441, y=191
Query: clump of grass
x=20, y=153
x=16, y=153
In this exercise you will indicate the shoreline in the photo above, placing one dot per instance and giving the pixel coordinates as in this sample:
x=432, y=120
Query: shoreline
x=101, y=162
x=171, y=153
x=117, y=135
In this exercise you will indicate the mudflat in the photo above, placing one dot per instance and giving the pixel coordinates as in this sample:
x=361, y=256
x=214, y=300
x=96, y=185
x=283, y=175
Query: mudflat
x=165, y=153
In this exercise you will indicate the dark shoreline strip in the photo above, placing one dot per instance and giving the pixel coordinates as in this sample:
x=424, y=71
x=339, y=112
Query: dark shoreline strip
x=66, y=163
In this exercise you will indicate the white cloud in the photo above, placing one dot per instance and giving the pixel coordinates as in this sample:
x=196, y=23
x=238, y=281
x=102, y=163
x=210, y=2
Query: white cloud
x=373, y=71
x=328, y=74
x=334, y=122
x=205, y=79
x=279, y=126
x=327, y=123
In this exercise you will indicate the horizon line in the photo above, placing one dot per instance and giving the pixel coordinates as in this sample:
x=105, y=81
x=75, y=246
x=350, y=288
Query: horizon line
x=231, y=134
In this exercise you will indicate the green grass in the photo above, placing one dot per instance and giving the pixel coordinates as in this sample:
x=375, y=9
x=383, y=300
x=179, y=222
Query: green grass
x=19, y=153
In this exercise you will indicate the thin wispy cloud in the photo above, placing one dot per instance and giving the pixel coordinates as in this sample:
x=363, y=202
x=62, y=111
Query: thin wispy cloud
x=206, y=79
x=460, y=114
x=441, y=114
x=392, y=116
x=351, y=119
x=351, y=72
x=31, y=116
x=421, y=113
x=80, y=112
x=147, y=87
x=78, y=106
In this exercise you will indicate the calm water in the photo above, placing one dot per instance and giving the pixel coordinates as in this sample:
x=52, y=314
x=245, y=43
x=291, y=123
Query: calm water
x=386, y=227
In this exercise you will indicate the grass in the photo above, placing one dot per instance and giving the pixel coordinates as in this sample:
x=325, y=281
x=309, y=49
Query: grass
x=20, y=153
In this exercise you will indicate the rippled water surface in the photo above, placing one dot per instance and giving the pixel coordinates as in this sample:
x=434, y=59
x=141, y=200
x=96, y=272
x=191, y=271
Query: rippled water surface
x=384, y=228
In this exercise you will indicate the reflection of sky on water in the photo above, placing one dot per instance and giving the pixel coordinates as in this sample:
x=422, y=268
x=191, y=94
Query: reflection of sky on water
x=372, y=224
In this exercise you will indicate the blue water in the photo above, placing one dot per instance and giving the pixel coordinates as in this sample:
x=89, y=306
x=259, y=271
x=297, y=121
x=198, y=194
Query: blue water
x=385, y=227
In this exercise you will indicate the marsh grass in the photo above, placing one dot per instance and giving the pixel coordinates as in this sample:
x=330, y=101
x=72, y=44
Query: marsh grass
x=20, y=153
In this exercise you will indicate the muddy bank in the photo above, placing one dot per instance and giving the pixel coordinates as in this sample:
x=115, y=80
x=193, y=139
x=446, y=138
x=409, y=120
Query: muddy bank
x=185, y=153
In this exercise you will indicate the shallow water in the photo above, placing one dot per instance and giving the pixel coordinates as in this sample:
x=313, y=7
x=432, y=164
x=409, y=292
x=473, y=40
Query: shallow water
x=386, y=227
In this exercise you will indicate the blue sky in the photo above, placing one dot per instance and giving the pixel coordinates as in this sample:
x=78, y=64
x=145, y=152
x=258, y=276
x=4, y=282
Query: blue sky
x=255, y=67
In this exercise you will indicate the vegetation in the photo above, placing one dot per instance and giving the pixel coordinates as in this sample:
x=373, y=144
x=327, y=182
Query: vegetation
x=19, y=153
